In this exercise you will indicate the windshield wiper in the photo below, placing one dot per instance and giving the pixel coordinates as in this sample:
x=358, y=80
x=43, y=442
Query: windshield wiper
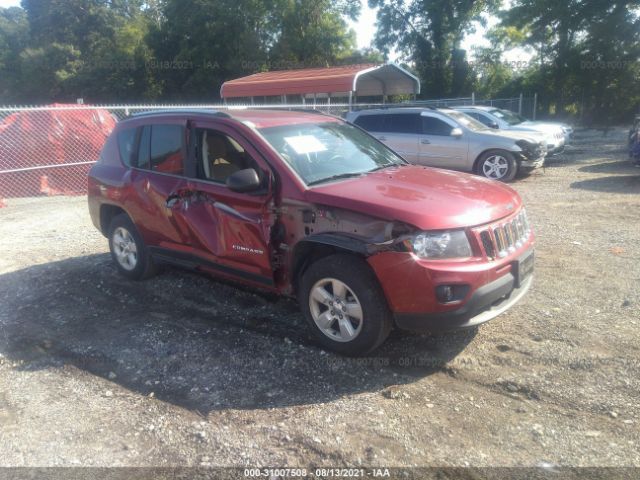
x=336, y=177
x=382, y=167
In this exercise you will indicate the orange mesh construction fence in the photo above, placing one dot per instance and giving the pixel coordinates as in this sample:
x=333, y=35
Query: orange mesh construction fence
x=49, y=151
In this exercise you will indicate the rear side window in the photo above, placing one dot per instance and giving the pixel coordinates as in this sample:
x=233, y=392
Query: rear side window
x=435, y=126
x=371, y=123
x=403, y=123
x=144, y=151
x=166, y=150
x=126, y=143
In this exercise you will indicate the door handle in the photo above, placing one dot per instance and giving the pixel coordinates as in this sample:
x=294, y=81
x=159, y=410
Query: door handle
x=424, y=141
x=173, y=199
x=178, y=196
x=382, y=139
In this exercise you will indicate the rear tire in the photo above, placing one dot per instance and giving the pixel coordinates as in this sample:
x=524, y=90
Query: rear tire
x=498, y=165
x=129, y=253
x=344, y=305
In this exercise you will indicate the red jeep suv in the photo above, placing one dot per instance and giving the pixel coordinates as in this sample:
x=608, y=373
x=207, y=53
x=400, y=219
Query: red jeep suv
x=307, y=205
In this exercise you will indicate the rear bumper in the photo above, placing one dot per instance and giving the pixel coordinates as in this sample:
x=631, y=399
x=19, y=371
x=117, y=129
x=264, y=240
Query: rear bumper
x=486, y=303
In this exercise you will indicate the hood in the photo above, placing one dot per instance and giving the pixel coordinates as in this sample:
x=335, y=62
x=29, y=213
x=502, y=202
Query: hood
x=529, y=135
x=543, y=126
x=531, y=130
x=426, y=198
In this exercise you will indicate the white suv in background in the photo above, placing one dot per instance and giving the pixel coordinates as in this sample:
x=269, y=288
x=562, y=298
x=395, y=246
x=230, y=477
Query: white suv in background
x=557, y=134
x=450, y=139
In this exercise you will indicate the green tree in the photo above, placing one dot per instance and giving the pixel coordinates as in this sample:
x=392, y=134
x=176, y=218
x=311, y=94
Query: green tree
x=362, y=56
x=609, y=70
x=198, y=44
x=46, y=72
x=80, y=23
x=14, y=38
x=494, y=76
x=99, y=46
x=429, y=33
x=587, y=51
x=313, y=33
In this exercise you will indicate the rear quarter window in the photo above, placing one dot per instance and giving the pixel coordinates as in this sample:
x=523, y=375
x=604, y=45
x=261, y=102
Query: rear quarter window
x=126, y=144
x=144, y=152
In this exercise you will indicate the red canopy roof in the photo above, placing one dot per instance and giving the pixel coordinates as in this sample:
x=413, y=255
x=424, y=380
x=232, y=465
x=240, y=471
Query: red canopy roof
x=365, y=79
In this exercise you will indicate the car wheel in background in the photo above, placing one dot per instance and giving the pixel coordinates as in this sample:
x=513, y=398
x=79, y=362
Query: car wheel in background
x=344, y=305
x=498, y=165
x=128, y=251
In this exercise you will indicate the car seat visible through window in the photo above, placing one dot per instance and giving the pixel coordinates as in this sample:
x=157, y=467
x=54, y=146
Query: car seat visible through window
x=219, y=161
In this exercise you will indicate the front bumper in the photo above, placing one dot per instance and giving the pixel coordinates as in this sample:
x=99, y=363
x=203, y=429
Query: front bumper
x=557, y=150
x=532, y=164
x=486, y=303
x=497, y=278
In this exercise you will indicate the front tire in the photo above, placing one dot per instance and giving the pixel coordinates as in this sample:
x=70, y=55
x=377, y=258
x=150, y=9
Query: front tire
x=129, y=253
x=498, y=165
x=344, y=305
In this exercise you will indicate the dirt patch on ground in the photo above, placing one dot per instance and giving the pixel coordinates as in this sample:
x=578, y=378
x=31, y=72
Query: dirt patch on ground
x=185, y=370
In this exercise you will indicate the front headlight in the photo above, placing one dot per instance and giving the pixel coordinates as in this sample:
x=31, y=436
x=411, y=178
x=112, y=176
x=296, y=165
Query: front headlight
x=439, y=245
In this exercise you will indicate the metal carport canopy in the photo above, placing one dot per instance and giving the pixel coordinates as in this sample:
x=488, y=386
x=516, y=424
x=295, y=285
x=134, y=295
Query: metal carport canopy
x=362, y=80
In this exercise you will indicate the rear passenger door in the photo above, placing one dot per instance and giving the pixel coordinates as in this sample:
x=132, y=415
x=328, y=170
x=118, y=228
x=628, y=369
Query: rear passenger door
x=397, y=131
x=157, y=177
x=438, y=148
x=401, y=134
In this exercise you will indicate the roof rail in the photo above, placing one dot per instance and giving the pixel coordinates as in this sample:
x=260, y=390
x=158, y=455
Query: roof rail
x=306, y=110
x=398, y=106
x=179, y=111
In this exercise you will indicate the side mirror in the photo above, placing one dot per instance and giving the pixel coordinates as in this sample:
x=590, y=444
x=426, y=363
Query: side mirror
x=456, y=132
x=243, y=181
x=494, y=125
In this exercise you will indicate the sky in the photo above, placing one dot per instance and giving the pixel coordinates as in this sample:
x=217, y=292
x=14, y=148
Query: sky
x=365, y=29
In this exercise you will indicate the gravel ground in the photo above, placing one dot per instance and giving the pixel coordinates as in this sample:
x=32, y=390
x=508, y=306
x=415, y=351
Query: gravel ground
x=183, y=370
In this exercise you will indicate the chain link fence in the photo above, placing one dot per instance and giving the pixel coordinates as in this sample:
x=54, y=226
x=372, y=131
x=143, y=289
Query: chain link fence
x=525, y=106
x=49, y=150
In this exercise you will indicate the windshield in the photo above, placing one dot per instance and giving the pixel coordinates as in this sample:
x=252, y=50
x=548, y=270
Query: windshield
x=511, y=118
x=467, y=121
x=321, y=152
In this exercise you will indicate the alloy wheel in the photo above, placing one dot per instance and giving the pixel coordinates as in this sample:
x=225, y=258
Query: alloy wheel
x=336, y=310
x=495, y=166
x=125, y=249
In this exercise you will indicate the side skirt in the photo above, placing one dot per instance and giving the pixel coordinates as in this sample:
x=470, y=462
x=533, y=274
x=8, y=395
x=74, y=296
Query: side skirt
x=190, y=261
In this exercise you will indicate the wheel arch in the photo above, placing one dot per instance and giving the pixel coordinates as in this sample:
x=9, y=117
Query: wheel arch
x=476, y=163
x=108, y=212
x=313, y=248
